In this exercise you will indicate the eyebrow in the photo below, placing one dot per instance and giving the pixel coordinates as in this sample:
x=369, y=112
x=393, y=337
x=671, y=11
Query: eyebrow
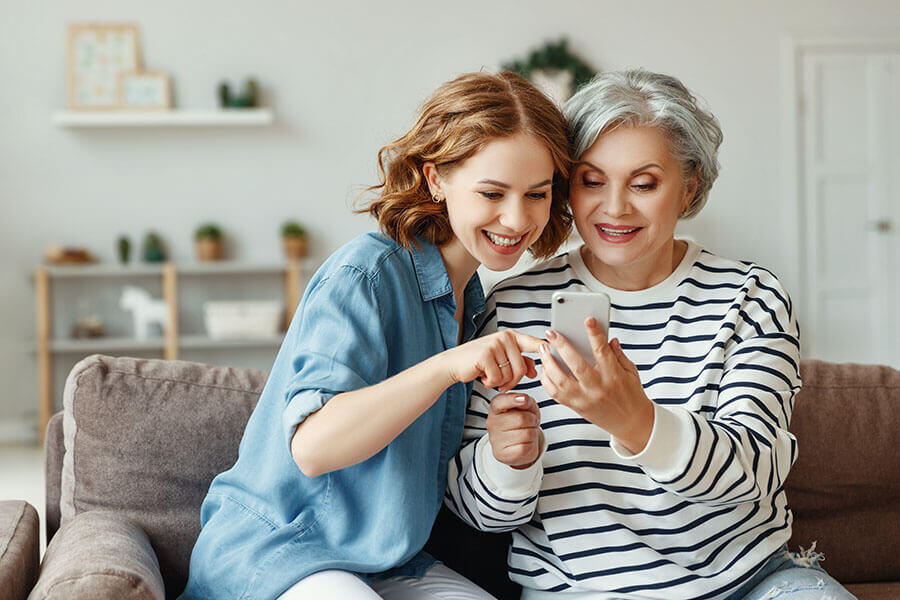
x=635, y=172
x=506, y=186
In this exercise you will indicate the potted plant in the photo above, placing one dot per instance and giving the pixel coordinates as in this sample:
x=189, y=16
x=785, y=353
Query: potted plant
x=293, y=236
x=208, y=242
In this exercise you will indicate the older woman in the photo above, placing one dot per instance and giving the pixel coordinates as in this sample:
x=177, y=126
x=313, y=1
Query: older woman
x=662, y=469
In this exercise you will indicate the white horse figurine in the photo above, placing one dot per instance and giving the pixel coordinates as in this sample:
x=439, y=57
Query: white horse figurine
x=148, y=311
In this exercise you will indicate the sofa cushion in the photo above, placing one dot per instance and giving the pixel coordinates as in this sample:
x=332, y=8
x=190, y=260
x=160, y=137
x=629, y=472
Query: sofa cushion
x=844, y=489
x=99, y=555
x=19, y=547
x=144, y=439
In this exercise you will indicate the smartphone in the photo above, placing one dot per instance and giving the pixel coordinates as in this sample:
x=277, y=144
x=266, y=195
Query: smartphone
x=568, y=312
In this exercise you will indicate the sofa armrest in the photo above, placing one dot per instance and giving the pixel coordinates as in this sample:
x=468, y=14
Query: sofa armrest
x=97, y=555
x=19, y=549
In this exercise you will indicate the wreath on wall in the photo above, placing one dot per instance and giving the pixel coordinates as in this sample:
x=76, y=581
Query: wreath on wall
x=553, y=65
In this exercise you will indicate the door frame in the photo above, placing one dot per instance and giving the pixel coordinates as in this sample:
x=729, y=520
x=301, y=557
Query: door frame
x=794, y=49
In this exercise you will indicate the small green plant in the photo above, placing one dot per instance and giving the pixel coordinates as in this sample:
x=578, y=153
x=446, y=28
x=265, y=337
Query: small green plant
x=209, y=231
x=292, y=229
x=124, y=248
x=154, y=251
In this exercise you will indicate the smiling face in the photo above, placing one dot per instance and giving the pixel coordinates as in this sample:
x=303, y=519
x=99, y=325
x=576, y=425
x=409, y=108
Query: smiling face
x=498, y=201
x=627, y=192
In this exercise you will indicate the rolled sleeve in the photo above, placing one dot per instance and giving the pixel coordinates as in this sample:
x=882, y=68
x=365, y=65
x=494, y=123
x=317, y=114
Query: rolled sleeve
x=338, y=345
x=507, y=481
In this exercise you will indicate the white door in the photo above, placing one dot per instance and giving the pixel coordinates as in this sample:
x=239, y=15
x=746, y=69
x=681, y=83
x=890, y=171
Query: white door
x=850, y=144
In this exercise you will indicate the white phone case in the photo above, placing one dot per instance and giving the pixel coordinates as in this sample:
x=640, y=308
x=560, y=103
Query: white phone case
x=568, y=312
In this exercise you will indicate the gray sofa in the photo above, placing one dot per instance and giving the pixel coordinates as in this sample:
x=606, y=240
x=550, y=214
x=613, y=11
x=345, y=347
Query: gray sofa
x=19, y=548
x=129, y=460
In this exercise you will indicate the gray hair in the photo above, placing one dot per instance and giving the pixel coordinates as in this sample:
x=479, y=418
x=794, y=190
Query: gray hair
x=641, y=98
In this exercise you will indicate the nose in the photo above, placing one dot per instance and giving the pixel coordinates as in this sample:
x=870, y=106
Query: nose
x=515, y=215
x=617, y=203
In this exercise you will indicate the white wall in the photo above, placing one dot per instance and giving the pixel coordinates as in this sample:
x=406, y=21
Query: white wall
x=343, y=78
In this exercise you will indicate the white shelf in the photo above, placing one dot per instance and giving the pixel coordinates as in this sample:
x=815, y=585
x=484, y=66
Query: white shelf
x=144, y=270
x=164, y=118
x=105, y=344
x=197, y=342
x=187, y=342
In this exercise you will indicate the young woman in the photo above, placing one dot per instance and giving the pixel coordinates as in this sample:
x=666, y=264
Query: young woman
x=343, y=464
x=666, y=450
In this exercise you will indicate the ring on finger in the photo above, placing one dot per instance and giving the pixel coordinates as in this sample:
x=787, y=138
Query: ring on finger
x=503, y=364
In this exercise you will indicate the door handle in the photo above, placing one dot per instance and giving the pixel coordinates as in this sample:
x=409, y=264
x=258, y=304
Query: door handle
x=881, y=226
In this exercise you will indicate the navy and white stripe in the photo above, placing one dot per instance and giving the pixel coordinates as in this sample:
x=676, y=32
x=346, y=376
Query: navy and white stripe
x=698, y=511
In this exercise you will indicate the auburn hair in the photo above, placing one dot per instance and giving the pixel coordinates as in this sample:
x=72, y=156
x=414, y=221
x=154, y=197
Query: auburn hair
x=457, y=121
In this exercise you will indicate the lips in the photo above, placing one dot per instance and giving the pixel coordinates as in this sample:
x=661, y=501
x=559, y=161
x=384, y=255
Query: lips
x=503, y=244
x=617, y=234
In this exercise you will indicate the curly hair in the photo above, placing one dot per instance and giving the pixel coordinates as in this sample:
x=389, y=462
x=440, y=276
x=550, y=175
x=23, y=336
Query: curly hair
x=457, y=121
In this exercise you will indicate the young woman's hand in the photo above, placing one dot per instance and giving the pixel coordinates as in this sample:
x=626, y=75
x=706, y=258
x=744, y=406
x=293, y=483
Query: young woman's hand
x=497, y=359
x=514, y=430
x=608, y=393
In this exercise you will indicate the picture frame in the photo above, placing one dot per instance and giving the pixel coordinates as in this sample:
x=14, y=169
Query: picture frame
x=97, y=54
x=145, y=90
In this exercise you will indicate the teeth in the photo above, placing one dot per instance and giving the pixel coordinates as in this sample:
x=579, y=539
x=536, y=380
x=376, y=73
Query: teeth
x=618, y=231
x=503, y=241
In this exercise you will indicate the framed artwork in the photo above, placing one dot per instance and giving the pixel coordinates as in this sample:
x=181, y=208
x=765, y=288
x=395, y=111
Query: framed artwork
x=144, y=90
x=97, y=54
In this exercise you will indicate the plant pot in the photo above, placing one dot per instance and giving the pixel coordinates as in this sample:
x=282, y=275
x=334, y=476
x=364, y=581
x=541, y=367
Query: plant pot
x=294, y=246
x=208, y=249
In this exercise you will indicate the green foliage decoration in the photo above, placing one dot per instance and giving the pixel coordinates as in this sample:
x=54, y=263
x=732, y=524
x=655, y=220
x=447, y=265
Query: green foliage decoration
x=553, y=55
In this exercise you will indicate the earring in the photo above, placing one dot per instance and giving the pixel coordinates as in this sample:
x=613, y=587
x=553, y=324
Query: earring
x=437, y=199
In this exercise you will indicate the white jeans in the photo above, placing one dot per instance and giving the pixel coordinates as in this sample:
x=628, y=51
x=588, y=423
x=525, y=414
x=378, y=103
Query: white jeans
x=440, y=582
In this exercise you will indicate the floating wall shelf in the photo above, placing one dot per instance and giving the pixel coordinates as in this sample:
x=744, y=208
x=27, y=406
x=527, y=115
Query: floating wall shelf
x=164, y=118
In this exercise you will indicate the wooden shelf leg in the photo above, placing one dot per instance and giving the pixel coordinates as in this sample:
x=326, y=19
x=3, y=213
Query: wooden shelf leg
x=170, y=295
x=45, y=372
x=291, y=290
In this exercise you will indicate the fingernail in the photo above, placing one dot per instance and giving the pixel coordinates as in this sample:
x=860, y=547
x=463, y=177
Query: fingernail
x=550, y=334
x=543, y=348
x=520, y=399
x=591, y=322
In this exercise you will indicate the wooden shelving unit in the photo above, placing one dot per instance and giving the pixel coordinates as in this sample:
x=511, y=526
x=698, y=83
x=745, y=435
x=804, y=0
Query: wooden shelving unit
x=171, y=342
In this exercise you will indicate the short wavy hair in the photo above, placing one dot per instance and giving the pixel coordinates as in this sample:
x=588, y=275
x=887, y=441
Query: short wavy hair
x=457, y=121
x=638, y=97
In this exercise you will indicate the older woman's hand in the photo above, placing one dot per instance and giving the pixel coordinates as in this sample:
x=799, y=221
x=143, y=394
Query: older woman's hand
x=514, y=430
x=608, y=394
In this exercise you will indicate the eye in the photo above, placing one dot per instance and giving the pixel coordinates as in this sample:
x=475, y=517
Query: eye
x=591, y=182
x=491, y=195
x=644, y=184
x=537, y=195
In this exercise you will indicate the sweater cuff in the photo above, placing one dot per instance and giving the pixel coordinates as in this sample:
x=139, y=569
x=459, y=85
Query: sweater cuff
x=505, y=481
x=670, y=447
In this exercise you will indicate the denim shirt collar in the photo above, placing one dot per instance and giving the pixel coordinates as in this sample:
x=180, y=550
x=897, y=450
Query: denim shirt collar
x=434, y=281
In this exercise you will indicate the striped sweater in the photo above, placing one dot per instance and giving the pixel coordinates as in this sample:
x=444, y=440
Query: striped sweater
x=699, y=510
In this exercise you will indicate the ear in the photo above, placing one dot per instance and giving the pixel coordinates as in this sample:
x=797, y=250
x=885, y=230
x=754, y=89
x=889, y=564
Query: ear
x=690, y=192
x=434, y=181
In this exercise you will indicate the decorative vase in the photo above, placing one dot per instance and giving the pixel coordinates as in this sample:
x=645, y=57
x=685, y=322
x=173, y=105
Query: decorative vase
x=208, y=249
x=294, y=246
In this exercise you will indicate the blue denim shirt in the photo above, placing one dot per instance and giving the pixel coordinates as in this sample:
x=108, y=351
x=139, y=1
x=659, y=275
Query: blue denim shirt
x=372, y=310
